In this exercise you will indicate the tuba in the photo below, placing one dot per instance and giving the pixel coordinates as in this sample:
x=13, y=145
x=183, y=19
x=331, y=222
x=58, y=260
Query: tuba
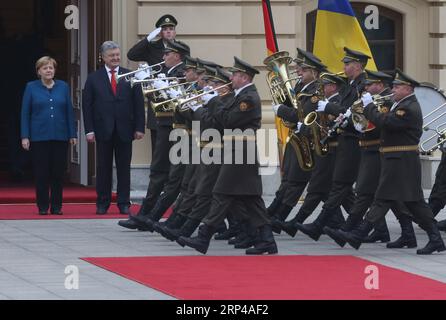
x=282, y=92
x=357, y=109
x=318, y=124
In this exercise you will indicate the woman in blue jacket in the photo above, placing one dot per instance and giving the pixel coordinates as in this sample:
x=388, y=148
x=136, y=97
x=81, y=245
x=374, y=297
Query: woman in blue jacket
x=47, y=127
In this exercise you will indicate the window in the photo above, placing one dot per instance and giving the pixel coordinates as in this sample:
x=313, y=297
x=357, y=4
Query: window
x=386, y=42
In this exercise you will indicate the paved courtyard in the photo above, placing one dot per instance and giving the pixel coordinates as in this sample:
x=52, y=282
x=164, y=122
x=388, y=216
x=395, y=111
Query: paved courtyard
x=34, y=256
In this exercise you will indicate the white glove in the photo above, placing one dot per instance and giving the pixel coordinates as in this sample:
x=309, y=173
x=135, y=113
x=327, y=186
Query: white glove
x=194, y=106
x=367, y=99
x=348, y=113
x=299, y=126
x=207, y=97
x=152, y=35
x=359, y=127
x=161, y=75
x=173, y=93
x=321, y=105
x=141, y=75
x=159, y=84
x=276, y=108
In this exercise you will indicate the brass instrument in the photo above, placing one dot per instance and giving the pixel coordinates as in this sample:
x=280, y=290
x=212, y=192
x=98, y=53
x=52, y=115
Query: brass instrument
x=182, y=102
x=357, y=109
x=147, y=91
x=282, y=91
x=129, y=75
x=440, y=135
x=134, y=81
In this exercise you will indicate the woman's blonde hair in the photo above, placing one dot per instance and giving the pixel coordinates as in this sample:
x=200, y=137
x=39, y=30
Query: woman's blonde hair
x=44, y=61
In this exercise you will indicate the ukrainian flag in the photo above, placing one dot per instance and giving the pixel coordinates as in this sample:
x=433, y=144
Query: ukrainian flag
x=336, y=28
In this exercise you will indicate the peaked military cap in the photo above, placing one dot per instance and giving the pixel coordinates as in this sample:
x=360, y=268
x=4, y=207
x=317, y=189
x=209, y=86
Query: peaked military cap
x=329, y=78
x=217, y=74
x=177, y=46
x=190, y=63
x=242, y=66
x=301, y=53
x=352, y=55
x=402, y=78
x=377, y=76
x=309, y=60
x=166, y=20
x=202, y=63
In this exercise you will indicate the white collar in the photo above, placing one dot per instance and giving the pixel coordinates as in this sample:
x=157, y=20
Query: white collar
x=170, y=70
x=396, y=104
x=237, y=91
x=334, y=95
x=109, y=70
x=306, y=86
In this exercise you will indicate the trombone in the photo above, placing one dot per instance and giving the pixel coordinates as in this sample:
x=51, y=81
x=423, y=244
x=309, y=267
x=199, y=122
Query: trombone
x=134, y=81
x=129, y=75
x=153, y=90
x=182, y=102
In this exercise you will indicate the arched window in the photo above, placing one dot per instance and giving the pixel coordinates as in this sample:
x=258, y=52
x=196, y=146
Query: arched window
x=386, y=42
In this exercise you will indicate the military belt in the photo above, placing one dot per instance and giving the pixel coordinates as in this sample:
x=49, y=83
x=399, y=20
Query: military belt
x=399, y=149
x=164, y=114
x=369, y=143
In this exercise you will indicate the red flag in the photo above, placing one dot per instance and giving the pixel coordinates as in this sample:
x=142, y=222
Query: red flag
x=270, y=33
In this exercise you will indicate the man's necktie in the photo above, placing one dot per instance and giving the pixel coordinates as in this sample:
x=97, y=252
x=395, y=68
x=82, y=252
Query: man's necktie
x=113, y=82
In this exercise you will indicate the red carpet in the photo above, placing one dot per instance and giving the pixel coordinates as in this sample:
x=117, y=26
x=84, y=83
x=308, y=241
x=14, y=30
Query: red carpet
x=271, y=278
x=27, y=194
x=71, y=211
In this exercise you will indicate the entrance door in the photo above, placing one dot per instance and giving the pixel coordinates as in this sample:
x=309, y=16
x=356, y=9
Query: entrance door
x=95, y=25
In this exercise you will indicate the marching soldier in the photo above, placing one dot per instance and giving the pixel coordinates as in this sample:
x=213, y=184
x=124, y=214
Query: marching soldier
x=348, y=153
x=238, y=182
x=437, y=198
x=377, y=83
x=295, y=178
x=400, y=178
x=174, y=54
x=322, y=175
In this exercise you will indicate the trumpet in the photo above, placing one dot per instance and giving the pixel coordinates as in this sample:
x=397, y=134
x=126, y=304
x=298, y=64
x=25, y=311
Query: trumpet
x=153, y=90
x=134, y=82
x=129, y=75
x=358, y=117
x=182, y=102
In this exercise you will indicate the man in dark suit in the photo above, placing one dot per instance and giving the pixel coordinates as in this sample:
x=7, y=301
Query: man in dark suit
x=113, y=118
x=152, y=52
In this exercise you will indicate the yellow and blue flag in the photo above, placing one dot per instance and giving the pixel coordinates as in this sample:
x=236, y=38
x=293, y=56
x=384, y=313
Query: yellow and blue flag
x=336, y=28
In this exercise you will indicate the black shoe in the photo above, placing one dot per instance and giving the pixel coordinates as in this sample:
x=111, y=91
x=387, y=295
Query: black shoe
x=377, y=236
x=129, y=224
x=228, y=234
x=158, y=227
x=289, y=227
x=57, y=212
x=402, y=242
x=171, y=234
x=265, y=242
x=124, y=210
x=245, y=244
x=356, y=236
x=431, y=247
x=200, y=242
x=43, y=212
x=333, y=233
x=101, y=211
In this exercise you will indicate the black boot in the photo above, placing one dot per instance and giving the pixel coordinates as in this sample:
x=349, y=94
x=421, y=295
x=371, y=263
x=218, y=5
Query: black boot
x=290, y=226
x=407, y=238
x=249, y=240
x=222, y=228
x=279, y=217
x=156, y=214
x=200, y=242
x=337, y=220
x=356, y=236
x=186, y=230
x=242, y=233
x=435, y=241
x=266, y=243
x=380, y=234
x=228, y=234
x=315, y=229
x=352, y=221
x=134, y=222
x=442, y=225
